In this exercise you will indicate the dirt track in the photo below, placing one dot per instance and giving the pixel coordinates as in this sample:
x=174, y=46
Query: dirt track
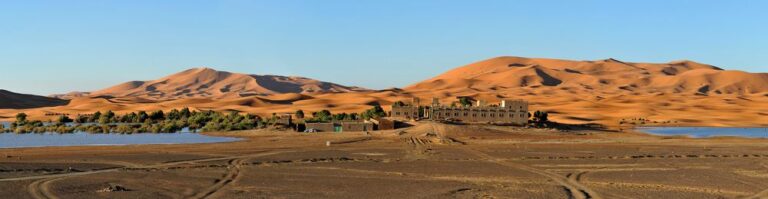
x=425, y=161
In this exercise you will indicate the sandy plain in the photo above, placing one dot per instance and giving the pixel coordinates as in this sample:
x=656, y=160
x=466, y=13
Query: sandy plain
x=428, y=160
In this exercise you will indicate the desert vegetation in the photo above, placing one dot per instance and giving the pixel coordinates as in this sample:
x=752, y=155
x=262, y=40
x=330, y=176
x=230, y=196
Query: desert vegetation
x=170, y=122
x=539, y=119
x=327, y=116
x=641, y=121
x=141, y=122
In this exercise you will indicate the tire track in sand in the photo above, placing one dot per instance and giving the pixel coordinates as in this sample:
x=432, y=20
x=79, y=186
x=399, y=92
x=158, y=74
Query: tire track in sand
x=39, y=189
x=141, y=167
x=233, y=172
x=762, y=194
x=576, y=176
x=575, y=189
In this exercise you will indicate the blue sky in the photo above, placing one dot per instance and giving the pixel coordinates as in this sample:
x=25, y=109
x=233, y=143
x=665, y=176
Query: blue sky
x=59, y=46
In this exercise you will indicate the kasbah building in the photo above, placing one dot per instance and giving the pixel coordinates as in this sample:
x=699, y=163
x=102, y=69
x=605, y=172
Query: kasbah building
x=513, y=112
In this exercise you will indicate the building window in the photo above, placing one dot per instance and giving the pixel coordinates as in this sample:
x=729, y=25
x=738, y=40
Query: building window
x=466, y=114
x=492, y=115
x=456, y=114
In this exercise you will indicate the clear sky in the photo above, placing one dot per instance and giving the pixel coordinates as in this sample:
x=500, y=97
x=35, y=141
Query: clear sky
x=57, y=46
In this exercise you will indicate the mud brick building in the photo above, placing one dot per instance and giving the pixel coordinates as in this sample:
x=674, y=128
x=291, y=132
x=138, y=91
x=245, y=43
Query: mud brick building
x=285, y=120
x=407, y=111
x=341, y=126
x=384, y=124
x=506, y=112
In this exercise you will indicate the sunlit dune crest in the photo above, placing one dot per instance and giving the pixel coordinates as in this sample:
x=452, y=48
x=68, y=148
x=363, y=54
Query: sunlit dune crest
x=601, y=91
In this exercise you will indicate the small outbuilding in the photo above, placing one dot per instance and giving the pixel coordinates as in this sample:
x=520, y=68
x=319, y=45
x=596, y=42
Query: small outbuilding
x=339, y=126
x=356, y=126
x=319, y=127
x=384, y=124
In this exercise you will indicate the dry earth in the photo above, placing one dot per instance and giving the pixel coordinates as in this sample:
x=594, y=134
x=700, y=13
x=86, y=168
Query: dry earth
x=428, y=160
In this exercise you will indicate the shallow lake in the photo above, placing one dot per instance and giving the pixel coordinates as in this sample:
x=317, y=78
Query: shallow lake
x=703, y=132
x=13, y=140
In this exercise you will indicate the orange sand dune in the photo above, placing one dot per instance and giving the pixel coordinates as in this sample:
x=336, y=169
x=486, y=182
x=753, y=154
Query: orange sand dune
x=602, y=91
x=209, y=83
x=607, y=91
x=604, y=76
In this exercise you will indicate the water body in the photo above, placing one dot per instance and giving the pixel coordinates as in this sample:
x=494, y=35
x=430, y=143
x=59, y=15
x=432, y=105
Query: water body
x=704, y=132
x=13, y=140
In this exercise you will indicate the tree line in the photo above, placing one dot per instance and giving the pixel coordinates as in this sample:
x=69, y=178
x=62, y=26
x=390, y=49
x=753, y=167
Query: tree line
x=141, y=122
x=170, y=122
x=327, y=116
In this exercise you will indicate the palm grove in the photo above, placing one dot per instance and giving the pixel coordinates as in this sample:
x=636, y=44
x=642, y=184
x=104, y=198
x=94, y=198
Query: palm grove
x=139, y=122
x=168, y=122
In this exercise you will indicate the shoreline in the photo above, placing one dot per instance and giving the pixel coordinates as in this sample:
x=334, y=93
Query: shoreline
x=165, y=141
x=245, y=136
x=639, y=130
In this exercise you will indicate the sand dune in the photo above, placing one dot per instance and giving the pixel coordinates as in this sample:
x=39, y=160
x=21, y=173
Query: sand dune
x=603, y=76
x=606, y=91
x=209, y=83
x=602, y=91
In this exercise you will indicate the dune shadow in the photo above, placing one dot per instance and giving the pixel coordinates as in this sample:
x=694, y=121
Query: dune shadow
x=548, y=80
x=572, y=71
x=10, y=100
x=271, y=82
x=579, y=118
x=704, y=89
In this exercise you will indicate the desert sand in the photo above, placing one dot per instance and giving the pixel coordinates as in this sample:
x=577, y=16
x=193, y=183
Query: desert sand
x=205, y=82
x=578, y=92
x=428, y=160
